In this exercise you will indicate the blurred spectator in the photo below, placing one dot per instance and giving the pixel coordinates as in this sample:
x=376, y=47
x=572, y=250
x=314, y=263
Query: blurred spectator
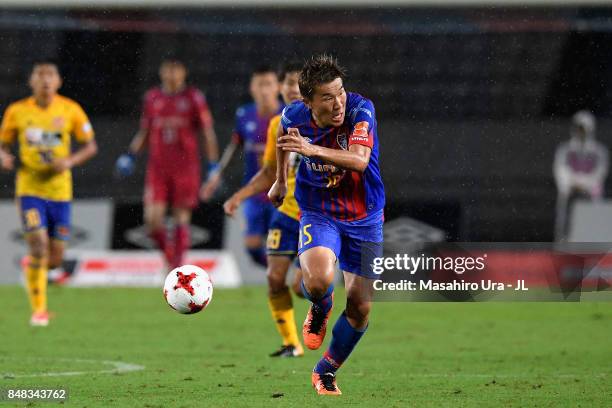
x=580, y=169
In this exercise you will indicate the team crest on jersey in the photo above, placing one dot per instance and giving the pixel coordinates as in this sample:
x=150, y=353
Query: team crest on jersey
x=58, y=122
x=182, y=105
x=342, y=140
x=251, y=126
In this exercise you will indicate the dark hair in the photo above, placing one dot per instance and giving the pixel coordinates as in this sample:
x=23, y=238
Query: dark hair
x=263, y=69
x=318, y=70
x=171, y=60
x=40, y=62
x=289, y=67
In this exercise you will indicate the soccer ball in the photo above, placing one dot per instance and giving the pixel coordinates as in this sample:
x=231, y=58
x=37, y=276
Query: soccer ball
x=188, y=289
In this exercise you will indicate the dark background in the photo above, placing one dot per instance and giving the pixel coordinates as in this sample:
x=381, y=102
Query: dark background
x=471, y=103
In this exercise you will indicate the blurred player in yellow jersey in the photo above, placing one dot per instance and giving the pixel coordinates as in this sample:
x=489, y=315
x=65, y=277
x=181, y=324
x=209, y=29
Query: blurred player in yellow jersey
x=283, y=235
x=42, y=126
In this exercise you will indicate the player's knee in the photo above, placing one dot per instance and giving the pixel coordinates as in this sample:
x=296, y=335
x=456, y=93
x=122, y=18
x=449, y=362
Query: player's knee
x=55, y=261
x=154, y=223
x=317, y=280
x=276, y=279
x=39, y=247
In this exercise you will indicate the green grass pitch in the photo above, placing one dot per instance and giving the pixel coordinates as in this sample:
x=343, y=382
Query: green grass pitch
x=414, y=354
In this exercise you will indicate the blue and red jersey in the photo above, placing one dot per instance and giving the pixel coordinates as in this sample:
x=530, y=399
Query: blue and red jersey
x=250, y=131
x=341, y=194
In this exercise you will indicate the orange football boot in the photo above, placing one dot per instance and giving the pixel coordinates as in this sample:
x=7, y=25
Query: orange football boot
x=325, y=384
x=40, y=319
x=315, y=326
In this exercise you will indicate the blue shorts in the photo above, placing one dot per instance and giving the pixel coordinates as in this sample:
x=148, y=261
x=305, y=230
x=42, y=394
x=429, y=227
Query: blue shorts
x=258, y=214
x=283, y=235
x=39, y=213
x=355, y=243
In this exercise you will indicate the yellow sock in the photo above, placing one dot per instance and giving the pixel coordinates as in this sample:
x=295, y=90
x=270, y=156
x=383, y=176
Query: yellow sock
x=281, y=307
x=36, y=283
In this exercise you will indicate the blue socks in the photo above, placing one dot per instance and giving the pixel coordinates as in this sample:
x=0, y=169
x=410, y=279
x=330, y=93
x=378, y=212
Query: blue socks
x=344, y=339
x=324, y=303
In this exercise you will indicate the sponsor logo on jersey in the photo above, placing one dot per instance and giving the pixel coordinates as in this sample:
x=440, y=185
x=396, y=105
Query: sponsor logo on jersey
x=58, y=122
x=250, y=126
x=38, y=137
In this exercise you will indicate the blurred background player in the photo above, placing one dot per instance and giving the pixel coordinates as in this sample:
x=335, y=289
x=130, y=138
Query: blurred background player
x=283, y=234
x=250, y=131
x=42, y=126
x=580, y=169
x=172, y=116
x=341, y=197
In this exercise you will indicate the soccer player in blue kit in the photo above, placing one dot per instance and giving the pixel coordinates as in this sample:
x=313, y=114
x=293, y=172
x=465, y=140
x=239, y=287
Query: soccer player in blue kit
x=341, y=197
x=250, y=133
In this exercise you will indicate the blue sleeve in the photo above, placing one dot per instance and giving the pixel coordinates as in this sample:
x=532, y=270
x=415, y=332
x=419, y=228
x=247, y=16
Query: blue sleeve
x=237, y=136
x=363, y=111
x=285, y=121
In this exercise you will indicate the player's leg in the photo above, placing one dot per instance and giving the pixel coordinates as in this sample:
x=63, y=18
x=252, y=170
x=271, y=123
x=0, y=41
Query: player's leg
x=296, y=284
x=154, y=215
x=319, y=246
x=282, y=248
x=256, y=230
x=347, y=331
x=57, y=249
x=58, y=227
x=156, y=195
x=182, y=235
x=356, y=259
x=184, y=198
x=34, y=219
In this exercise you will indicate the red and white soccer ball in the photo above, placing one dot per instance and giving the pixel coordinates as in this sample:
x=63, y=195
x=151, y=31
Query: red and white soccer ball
x=188, y=289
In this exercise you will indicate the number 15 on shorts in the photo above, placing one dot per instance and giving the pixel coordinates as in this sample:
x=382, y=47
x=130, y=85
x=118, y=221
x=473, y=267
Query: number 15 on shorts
x=305, y=237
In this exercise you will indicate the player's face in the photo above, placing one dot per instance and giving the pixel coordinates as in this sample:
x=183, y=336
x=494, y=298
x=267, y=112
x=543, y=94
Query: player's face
x=173, y=75
x=328, y=103
x=45, y=80
x=290, y=89
x=264, y=89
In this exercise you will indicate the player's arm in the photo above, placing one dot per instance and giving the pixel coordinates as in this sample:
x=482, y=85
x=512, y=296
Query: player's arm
x=211, y=148
x=263, y=179
x=139, y=142
x=8, y=135
x=260, y=182
x=356, y=158
x=126, y=163
x=206, y=123
x=79, y=157
x=84, y=135
x=212, y=183
x=278, y=191
x=7, y=160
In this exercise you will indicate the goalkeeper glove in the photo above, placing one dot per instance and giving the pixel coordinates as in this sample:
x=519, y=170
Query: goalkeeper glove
x=125, y=164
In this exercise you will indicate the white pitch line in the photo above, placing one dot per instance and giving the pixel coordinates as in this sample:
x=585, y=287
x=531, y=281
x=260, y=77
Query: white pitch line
x=474, y=375
x=118, y=367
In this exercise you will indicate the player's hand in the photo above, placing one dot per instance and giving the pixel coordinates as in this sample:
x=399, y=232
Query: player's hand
x=210, y=187
x=294, y=142
x=7, y=161
x=231, y=205
x=59, y=165
x=277, y=193
x=124, y=167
